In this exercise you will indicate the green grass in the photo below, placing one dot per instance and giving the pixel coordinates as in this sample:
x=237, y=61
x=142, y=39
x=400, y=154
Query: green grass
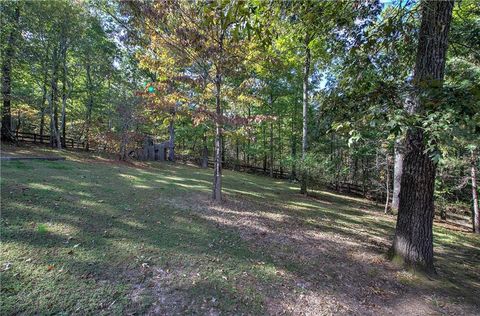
x=102, y=238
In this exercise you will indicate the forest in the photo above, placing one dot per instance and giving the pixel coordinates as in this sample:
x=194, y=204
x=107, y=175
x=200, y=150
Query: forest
x=235, y=122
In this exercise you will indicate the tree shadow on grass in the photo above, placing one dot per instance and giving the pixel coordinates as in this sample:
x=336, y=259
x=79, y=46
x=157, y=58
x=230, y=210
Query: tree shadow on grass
x=156, y=233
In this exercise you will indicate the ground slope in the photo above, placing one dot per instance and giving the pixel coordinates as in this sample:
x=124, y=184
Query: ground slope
x=94, y=236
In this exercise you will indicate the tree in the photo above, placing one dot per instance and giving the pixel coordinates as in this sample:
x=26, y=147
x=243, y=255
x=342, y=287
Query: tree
x=475, y=208
x=413, y=240
x=10, y=18
x=206, y=39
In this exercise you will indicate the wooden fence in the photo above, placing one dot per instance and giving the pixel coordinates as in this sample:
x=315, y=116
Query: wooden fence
x=339, y=186
x=230, y=164
x=344, y=187
x=45, y=139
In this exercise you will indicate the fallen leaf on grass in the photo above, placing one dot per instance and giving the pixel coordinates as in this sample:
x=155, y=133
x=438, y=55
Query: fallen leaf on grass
x=7, y=266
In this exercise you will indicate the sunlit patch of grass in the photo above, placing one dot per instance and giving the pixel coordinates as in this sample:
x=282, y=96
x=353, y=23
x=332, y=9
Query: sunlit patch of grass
x=42, y=229
x=407, y=278
x=46, y=187
x=109, y=228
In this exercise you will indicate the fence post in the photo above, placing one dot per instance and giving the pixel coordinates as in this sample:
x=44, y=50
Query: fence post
x=72, y=143
x=34, y=138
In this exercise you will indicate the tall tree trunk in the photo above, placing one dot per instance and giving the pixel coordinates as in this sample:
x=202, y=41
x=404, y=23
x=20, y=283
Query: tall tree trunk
x=171, y=141
x=387, y=185
x=64, y=93
x=217, y=172
x=248, y=141
x=476, y=212
x=58, y=141
x=54, y=133
x=293, y=151
x=124, y=142
x=264, y=148
x=413, y=241
x=397, y=173
x=43, y=108
x=205, y=152
x=224, y=152
x=306, y=73
x=9, y=55
x=271, y=149
x=280, y=148
x=237, y=155
x=271, y=137
x=88, y=116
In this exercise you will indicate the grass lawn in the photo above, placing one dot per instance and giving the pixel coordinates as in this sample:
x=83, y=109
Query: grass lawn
x=93, y=236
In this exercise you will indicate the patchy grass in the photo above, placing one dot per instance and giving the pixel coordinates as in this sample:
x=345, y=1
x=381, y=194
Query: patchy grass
x=92, y=236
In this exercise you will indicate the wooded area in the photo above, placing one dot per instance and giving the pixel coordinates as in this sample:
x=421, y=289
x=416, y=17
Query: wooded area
x=377, y=99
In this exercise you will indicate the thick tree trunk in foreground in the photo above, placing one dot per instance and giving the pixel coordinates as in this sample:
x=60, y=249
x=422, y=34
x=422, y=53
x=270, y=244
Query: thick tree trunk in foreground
x=397, y=173
x=217, y=172
x=306, y=72
x=413, y=241
x=9, y=55
x=476, y=211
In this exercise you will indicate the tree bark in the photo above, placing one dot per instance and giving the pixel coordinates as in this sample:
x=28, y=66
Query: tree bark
x=171, y=141
x=42, y=108
x=88, y=115
x=387, y=170
x=205, y=152
x=264, y=148
x=271, y=149
x=397, y=173
x=248, y=140
x=413, y=241
x=124, y=142
x=280, y=148
x=9, y=55
x=293, y=150
x=217, y=172
x=306, y=73
x=237, y=155
x=271, y=137
x=54, y=133
x=64, y=92
x=476, y=212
